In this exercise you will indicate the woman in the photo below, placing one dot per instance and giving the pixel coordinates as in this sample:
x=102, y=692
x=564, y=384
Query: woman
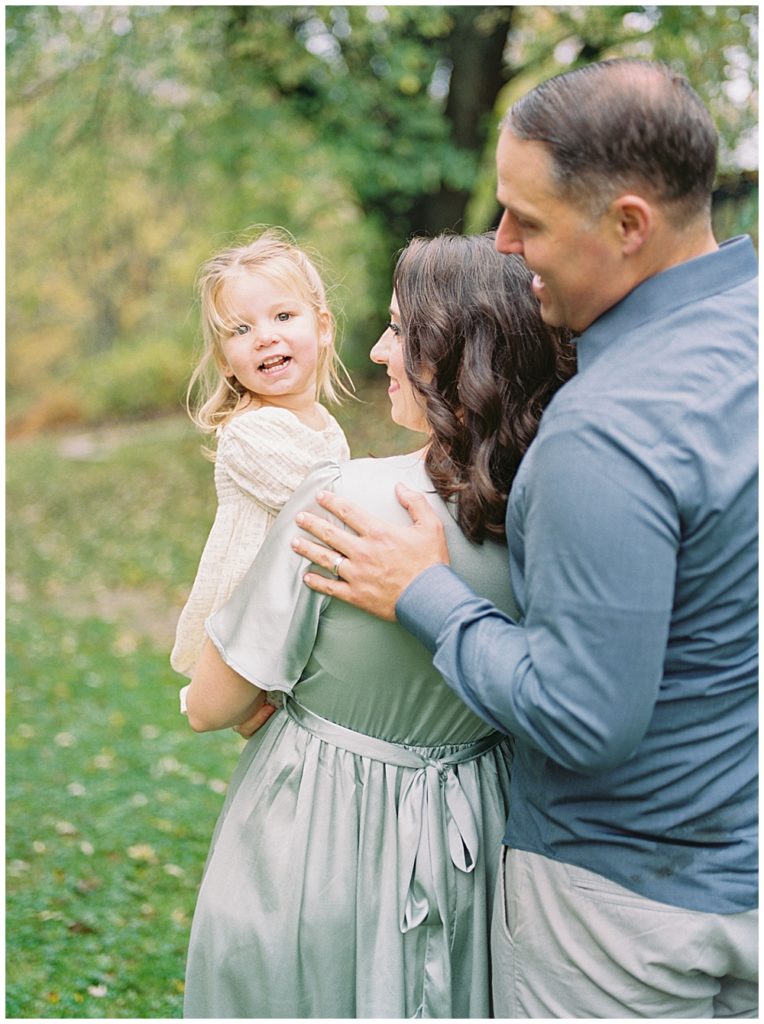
x=352, y=869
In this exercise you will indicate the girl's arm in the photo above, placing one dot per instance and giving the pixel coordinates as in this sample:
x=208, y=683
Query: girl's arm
x=218, y=697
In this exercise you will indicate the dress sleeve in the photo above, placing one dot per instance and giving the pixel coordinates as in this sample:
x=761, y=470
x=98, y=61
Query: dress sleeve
x=267, y=455
x=267, y=628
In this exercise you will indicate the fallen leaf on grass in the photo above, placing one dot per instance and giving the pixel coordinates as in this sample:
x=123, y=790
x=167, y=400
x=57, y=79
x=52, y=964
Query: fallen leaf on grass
x=86, y=885
x=50, y=915
x=143, y=852
x=80, y=928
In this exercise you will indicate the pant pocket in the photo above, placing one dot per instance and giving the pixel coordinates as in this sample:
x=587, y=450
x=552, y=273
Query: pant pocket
x=507, y=911
x=596, y=887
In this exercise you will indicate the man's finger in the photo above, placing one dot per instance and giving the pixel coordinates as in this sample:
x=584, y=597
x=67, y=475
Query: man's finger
x=332, y=536
x=317, y=553
x=352, y=515
x=327, y=585
x=417, y=505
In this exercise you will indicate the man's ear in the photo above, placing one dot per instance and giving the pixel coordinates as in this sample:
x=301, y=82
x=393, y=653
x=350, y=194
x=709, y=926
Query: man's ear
x=635, y=220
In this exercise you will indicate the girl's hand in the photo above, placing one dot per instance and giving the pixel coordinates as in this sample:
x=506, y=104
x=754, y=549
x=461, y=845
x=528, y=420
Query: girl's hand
x=250, y=725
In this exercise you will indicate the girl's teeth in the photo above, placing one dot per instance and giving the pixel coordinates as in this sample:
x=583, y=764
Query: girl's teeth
x=273, y=364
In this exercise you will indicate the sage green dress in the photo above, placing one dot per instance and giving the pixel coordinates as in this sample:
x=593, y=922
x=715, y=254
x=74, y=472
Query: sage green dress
x=352, y=869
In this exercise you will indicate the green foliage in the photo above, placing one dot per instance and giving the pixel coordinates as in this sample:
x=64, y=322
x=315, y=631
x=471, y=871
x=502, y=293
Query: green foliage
x=128, y=382
x=140, y=139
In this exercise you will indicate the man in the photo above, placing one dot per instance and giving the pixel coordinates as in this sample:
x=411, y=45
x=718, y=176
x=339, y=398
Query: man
x=629, y=881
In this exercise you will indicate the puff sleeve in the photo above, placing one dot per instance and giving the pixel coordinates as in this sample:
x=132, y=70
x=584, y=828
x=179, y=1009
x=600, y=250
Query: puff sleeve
x=267, y=628
x=268, y=453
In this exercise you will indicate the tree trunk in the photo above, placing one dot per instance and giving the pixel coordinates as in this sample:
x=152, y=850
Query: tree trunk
x=476, y=50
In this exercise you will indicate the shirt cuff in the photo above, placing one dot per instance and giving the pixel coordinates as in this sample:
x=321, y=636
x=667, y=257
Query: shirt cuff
x=428, y=600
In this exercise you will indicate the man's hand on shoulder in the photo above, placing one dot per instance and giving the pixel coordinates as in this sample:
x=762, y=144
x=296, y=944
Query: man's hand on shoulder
x=372, y=566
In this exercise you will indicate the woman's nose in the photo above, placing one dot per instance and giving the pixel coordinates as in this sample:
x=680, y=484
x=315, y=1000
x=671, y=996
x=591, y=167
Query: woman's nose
x=380, y=352
x=508, y=238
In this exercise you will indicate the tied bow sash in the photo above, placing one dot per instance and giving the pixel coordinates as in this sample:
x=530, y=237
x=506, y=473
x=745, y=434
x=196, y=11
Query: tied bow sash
x=431, y=795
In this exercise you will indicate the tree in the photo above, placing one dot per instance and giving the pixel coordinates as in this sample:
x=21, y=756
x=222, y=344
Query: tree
x=141, y=138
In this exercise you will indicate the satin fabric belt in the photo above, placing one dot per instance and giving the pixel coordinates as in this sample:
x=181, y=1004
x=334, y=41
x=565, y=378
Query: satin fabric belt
x=432, y=794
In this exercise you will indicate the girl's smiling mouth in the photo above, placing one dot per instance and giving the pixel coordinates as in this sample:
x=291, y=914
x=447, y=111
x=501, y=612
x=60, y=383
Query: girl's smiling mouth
x=274, y=363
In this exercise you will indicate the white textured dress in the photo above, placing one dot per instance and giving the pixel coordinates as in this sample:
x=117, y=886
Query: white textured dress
x=262, y=456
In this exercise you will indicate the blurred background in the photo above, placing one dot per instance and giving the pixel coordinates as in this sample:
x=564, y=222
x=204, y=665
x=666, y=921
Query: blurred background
x=140, y=140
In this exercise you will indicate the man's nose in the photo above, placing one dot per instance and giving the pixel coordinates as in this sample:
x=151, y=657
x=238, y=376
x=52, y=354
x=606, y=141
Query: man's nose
x=508, y=238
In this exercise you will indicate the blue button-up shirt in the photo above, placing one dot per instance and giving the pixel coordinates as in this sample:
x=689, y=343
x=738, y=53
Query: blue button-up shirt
x=630, y=683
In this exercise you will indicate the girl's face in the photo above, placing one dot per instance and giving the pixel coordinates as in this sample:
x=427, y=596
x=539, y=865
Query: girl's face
x=407, y=406
x=273, y=351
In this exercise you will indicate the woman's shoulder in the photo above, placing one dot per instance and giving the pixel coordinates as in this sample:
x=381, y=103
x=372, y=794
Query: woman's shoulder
x=357, y=474
x=371, y=482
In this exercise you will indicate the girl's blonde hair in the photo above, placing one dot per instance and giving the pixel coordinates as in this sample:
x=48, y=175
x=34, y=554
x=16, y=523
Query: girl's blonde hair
x=213, y=397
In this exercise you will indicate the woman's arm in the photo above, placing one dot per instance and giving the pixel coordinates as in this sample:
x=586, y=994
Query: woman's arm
x=218, y=697
x=266, y=628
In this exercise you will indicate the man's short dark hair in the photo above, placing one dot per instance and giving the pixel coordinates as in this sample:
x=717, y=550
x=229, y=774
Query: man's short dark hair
x=619, y=125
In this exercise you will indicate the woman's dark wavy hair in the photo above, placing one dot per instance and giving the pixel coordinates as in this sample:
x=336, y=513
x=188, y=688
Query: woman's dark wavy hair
x=486, y=365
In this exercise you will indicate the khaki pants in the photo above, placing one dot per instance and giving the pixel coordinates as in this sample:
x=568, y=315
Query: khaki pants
x=569, y=943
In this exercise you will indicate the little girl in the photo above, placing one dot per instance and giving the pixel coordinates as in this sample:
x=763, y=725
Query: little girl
x=269, y=355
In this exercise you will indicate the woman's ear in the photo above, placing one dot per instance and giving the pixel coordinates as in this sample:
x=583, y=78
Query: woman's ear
x=634, y=219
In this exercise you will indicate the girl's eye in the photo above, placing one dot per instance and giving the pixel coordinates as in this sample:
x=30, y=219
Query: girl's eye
x=241, y=329
x=394, y=328
x=283, y=317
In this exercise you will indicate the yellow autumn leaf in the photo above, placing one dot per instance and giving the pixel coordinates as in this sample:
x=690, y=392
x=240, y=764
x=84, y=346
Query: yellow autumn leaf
x=142, y=852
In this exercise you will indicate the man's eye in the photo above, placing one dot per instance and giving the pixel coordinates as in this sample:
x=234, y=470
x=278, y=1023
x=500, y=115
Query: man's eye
x=241, y=329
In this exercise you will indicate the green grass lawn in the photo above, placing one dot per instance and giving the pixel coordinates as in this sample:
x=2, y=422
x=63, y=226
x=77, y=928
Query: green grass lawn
x=111, y=799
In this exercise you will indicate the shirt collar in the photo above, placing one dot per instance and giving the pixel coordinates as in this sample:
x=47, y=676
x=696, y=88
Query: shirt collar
x=733, y=263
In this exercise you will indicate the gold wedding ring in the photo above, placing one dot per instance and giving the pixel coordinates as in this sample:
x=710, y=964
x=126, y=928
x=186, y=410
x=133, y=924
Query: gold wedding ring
x=336, y=567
